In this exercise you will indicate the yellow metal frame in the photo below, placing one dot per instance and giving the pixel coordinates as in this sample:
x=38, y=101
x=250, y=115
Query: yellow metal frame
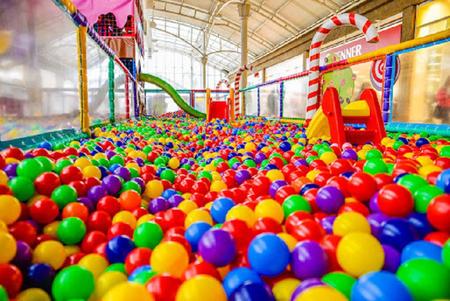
x=83, y=81
x=69, y=5
x=231, y=103
x=208, y=103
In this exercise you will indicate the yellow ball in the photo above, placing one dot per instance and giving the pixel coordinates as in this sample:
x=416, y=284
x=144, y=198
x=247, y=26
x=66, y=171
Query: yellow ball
x=270, y=208
x=218, y=186
x=95, y=263
x=282, y=290
x=128, y=291
x=9, y=209
x=8, y=247
x=173, y=163
x=243, y=213
x=3, y=178
x=125, y=217
x=311, y=175
x=275, y=174
x=187, y=206
x=202, y=287
x=3, y=226
x=290, y=240
x=98, y=156
x=70, y=250
x=424, y=171
x=424, y=160
x=51, y=229
x=106, y=281
x=50, y=252
x=328, y=157
x=92, y=171
x=322, y=293
x=349, y=222
x=82, y=162
x=145, y=218
x=33, y=294
x=250, y=147
x=169, y=257
x=360, y=253
x=10, y=160
x=198, y=215
x=153, y=189
x=362, y=154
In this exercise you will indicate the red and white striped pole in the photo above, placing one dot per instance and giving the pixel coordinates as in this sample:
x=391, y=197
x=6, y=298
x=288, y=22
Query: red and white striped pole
x=361, y=22
x=221, y=82
x=237, y=82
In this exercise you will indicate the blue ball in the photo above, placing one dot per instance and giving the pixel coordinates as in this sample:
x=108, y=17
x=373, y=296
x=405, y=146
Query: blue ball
x=40, y=275
x=380, y=286
x=443, y=181
x=118, y=248
x=168, y=193
x=252, y=292
x=194, y=233
x=220, y=208
x=397, y=232
x=137, y=271
x=420, y=223
x=285, y=146
x=235, y=278
x=268, y=254
x=421, y=249
x=46, y=145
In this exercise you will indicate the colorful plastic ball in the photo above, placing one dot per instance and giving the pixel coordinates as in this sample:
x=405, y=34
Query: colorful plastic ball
x=3, y=294
x=329, y=199
x=112, y=183
x=308, y=260
x=147, y=235
x=194, y=233
x=46, y=183
x=424, y=195
x=443, y=181
x=130, y=200
x=220, y=208
x=397, y=233
x=243, y=213
x=362, y=186
x=395, y=200
x=421, y=249
x=349, y=222
x=438, y=212
x=270, y=209
x=137, y=258
x=71, y=230
x=268, y=254
x=118, y=248
x=74, y=282
x=198, y=215
x=360, y=253
x=201, y=287
x=217, y=247
x=163, y=287
x=169, y=257
x=128, y=291
x=294, y=203
x=10, y=279
x=153, y=189
x=391, y=258
x=252, y=292
x=8, y=247
x=341, y=282
x=107, y=281
x=201, y=268
x=236, y=277
x=33, y=294
x=50, y=252
x=382, y=286
x=76, y=210
x=321, y=292
x=29, y=168
x=283, y=289
x=10, y=209
x=40, y=275
x=425, y=279
x=64, y=195
x=22, y=187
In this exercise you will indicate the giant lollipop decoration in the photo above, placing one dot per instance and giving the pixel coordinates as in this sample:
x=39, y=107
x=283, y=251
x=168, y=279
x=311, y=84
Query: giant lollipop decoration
x=377, y=72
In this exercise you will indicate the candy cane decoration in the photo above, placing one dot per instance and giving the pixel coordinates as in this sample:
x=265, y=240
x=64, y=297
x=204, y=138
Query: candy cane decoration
x=362, y=23
x=223, y=81
x=237, y=81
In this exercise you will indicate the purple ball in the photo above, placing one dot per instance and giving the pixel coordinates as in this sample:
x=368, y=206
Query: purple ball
x=112, y=183
x=157, y=204
x=304, y=285
x=123, y=172
x=373, y=203
x=375, y=221
x=139, y=162
x=391, y=258
x=10, y=170
x=329, y=199
x=327, y=223
x=95, y=193
x=242, y=175
x=259, y=157
x=109, y=154
x=217, y=247
x=23, y=254
x=175, y=200
x=349, y=154
x=309, y=260
x=275, y=186
x=300, y=162
x=90, y=204
x=140, y=182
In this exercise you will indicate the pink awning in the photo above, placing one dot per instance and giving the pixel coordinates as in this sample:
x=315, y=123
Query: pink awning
x=94, y=8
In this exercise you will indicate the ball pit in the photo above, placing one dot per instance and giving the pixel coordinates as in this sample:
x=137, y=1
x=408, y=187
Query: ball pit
x=177, y=209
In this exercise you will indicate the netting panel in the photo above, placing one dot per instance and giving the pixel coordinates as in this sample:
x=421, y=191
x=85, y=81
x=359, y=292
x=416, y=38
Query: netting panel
x=295, y=96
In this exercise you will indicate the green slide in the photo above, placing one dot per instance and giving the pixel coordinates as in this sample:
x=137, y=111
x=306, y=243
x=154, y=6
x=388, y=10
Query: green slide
x=148, y=78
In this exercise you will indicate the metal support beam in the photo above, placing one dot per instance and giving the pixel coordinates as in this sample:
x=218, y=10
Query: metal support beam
x=204, y=64
x=244, y=13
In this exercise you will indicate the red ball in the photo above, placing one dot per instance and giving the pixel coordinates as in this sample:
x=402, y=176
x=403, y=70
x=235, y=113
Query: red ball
x=70, y=173
x=355, y=207
x=438, y=212
x=13, y=152
x=340, y=166
x=99, y=220
x=200, y=268
x=10, y=278
x=24, y=231
x=304, y=228
x=395, y=200
x=109, y=204
x=362, y=186
x=266, y=225
x=163, y=287
x=283, y=192
x=80, y=187
x=329, y=244
x=137, y=258
x=382, y=179
x=120, y=229
x=46, y=183
x=92, y=240
x=261, y=185
x=91, y=182
x=44, y=211
x=438, y=238
x=76, y=210
x=240, y=232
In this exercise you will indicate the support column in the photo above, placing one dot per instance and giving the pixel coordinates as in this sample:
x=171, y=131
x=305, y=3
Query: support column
x=244, y=13
x=204, y=64
x=409, y=23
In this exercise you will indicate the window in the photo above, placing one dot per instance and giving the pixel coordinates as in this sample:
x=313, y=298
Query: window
x=432, y=17
x=287, y=67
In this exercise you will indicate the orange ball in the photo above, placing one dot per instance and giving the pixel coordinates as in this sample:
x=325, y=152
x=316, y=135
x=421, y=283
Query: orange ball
x=76, y=210
x=130, y=200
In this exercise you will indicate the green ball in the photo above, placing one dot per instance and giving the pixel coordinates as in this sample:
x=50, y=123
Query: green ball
x=294, y=203
x=30, y=168
x=64, y=195
x=340, y=281
x=374, y=154
x=445, y=151
x=131, y=185
x=61, y=164
x=412, y=182
x=22, y=188
x=147, y=235
x=73, y=282
x=143, y=277
x=249, y=163
x=397, y=144
x=169, y=175
x=116, y=267
x=205, y=174
x=186, y=166
x=47, y=164
x=423, y=197
x=375, y=166
x=103, y=162
x=425, y=279
x=117, y=160
x=71, y=230
x=160, y=161
x=446, y=253
x=311, y=158
x=147, y=149
x=3, y=294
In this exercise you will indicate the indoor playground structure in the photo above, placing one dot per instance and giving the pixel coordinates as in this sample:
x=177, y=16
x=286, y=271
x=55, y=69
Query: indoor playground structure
x=329, y=184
